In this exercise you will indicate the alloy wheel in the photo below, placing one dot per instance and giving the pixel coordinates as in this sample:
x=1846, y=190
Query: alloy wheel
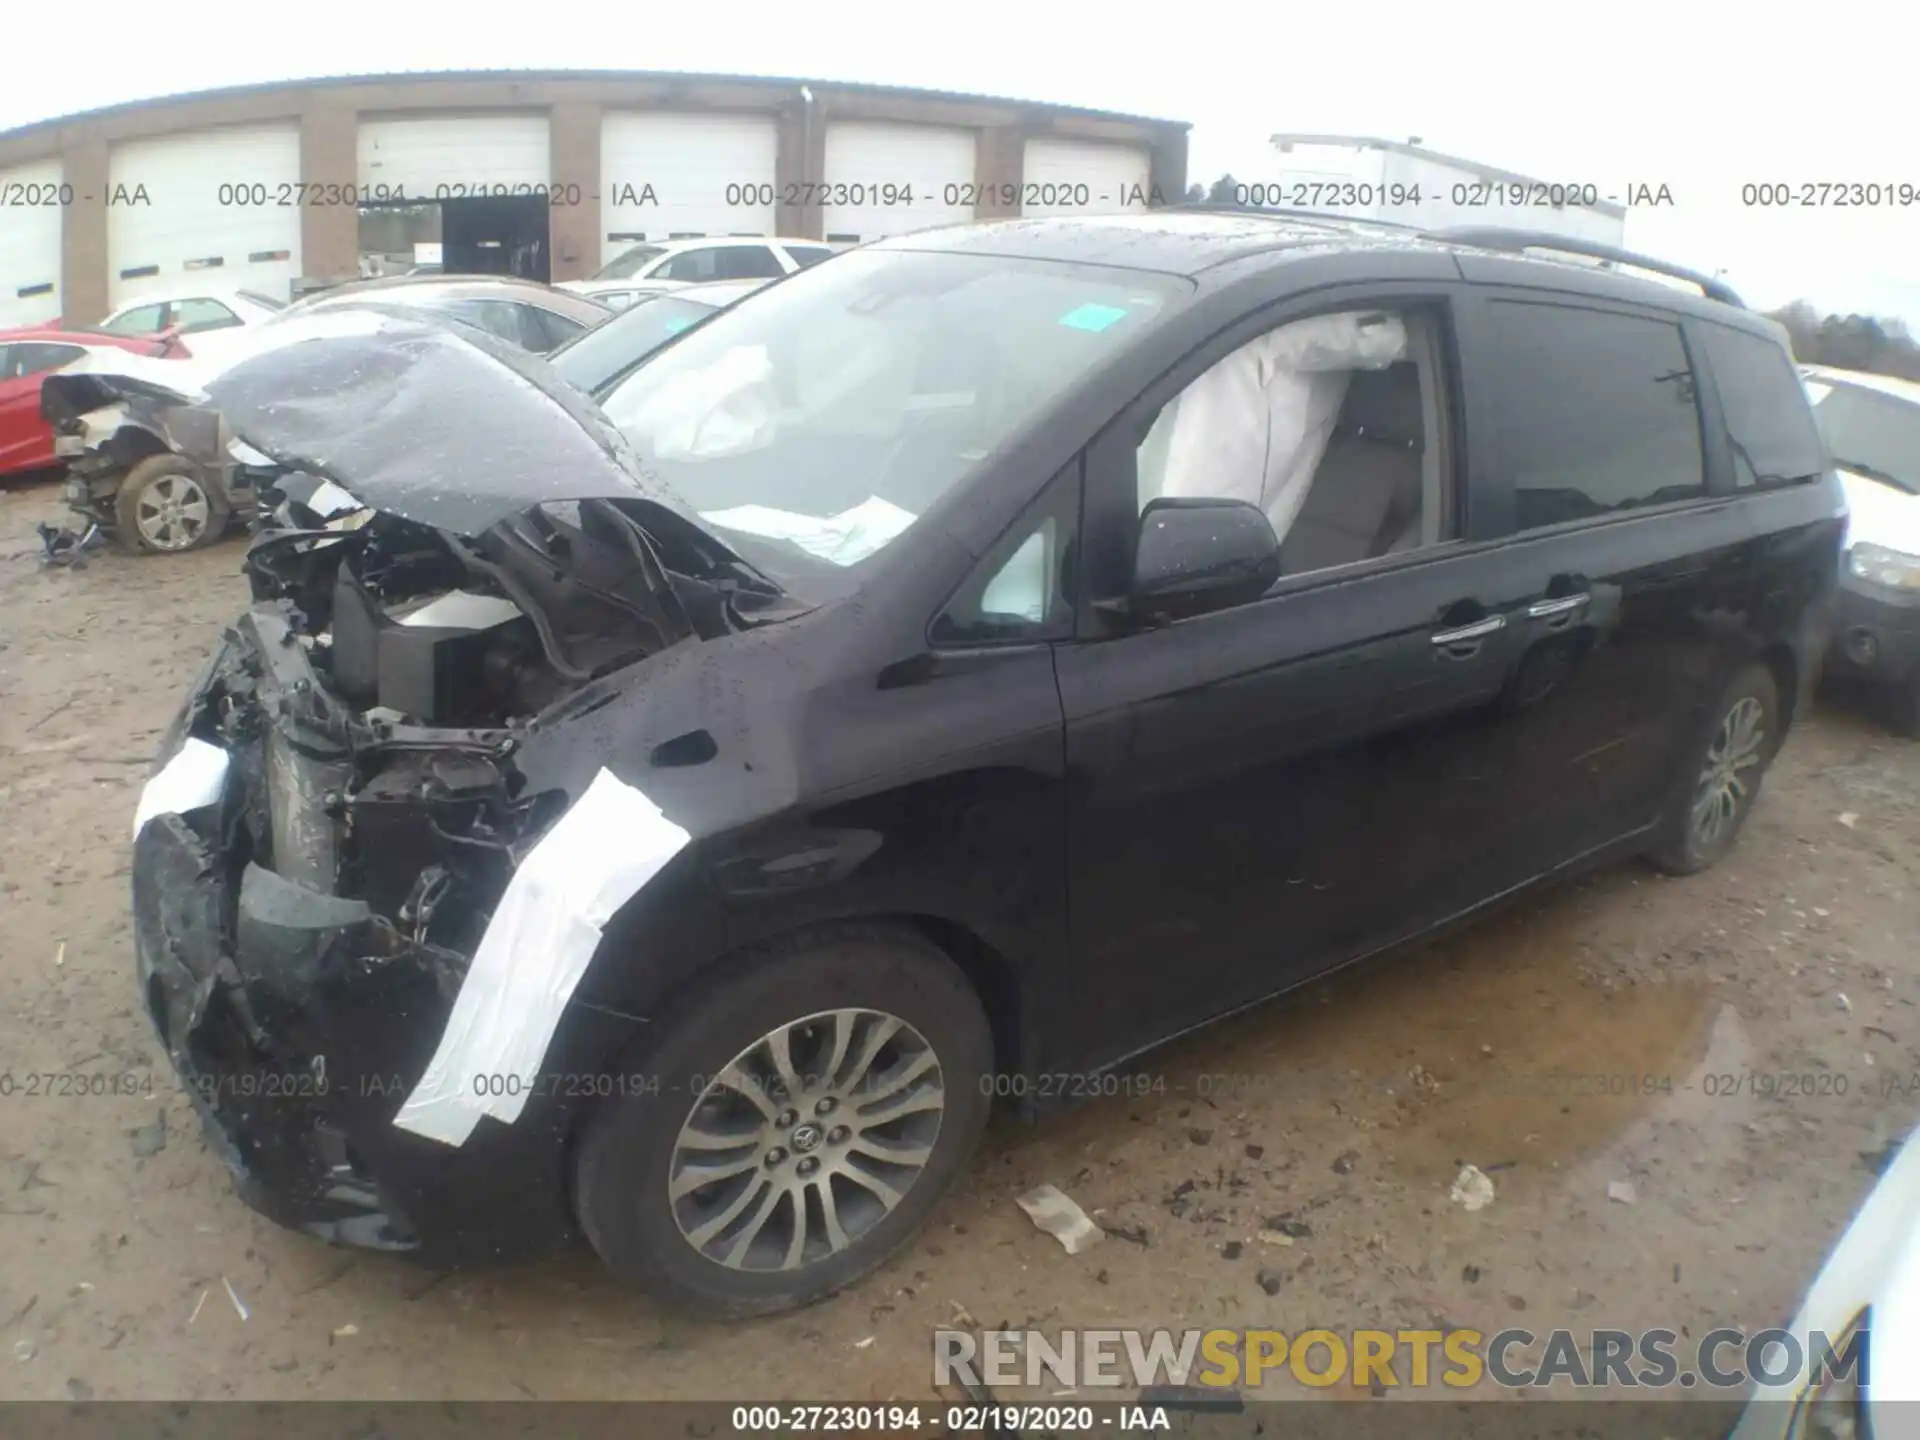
x=1725, y=784
x=806, y=1140
x=172, y=513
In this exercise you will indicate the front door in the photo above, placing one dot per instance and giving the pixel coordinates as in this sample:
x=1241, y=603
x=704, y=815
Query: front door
x=1261, y=792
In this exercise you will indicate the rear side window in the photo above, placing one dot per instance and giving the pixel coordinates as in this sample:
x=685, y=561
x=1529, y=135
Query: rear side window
x=141, y=320
x=1596, y=412
x=748, y=262
x=35, y=357
x=1770, y=429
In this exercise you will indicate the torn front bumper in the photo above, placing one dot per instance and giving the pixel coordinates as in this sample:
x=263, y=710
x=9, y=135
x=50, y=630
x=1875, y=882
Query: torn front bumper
x=299, y=1020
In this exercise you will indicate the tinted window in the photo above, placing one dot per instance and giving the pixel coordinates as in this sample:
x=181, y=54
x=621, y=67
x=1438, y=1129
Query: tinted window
x=498, y=317
x=608, y=351
x=1596, y=412
x=1023, y=590
x=805, y=255
x=747, y=262
x=691, y=265
x=548, y=330
x=1769, y=430
x=194, y=316
x=141, y=320
x=1869, y=432
x=36, y=357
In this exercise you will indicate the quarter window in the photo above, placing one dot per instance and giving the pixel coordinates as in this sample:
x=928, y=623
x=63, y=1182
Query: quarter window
x=1770, y=430
x=1596, y=412
x=198, y=315
x=691, y=266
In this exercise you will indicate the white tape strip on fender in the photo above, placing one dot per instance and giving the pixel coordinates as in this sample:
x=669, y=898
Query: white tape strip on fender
x=536, y=948
x=192, y=778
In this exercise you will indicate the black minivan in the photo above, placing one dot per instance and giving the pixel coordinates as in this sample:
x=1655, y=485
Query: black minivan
x=966, y=666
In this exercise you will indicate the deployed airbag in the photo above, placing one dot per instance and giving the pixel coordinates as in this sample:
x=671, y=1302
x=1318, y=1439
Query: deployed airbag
x=536, y=948
x=1254, y=427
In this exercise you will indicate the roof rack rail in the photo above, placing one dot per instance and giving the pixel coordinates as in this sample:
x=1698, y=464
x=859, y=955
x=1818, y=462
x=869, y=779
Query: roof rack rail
x=1285, y=212
x=1494, y=237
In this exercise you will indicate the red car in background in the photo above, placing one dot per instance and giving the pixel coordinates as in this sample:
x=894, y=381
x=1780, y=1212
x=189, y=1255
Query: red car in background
x=28, y=356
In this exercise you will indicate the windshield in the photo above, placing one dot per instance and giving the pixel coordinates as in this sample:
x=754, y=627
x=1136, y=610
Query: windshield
x=608, y=351
x=823, y=419
x=1869, y=432
x=625, y=266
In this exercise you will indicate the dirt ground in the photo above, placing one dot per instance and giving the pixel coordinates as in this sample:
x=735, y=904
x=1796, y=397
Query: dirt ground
x=1348, y=1107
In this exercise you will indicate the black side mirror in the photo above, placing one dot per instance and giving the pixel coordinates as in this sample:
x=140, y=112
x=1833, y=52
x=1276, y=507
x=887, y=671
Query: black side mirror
x=1198, y=555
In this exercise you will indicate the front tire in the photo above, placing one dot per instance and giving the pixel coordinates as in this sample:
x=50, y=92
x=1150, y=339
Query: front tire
x=799, y=1118
x=163, y=507
x=1722, y=776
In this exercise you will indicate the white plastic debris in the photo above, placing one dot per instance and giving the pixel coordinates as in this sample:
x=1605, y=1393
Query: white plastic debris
x=1622, y=1191
x=1845, y=1004
x=1472, y=1190
x=1849, y=819
x=862, y=1344
x=534, y=953
x=196, y=1306
x=23, y=1350
x=234, y=1295
x=1053, y=1211
x=192, y=778
x=345, y=1332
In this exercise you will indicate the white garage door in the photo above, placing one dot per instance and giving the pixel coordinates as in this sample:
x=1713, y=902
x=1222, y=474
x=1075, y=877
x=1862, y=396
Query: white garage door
x=871, y=169
x=446, y=157
x=31, y=204
x=214, y=206
x=1074, y=177
x=669, y=176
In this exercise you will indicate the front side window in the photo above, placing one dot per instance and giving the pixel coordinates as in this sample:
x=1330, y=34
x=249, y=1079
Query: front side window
x=1328, y=425
x=1595, y=412
x=1868, y=432
x=200, y=314
x=630, y=263
x=141, y=320
x=819, y=422
x=1769, y=431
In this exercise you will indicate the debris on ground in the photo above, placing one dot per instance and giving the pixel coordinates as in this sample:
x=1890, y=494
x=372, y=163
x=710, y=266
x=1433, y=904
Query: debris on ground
x=1231, y=1250
x=234, y=1295
x=196, y=1306
x=1845, y=1004
x=23, y=1350
x=1290, y=1227
x=1199, y=1136
x=78, y=1389
x=1472, y=1190
x=1268, y=1280
x=346, y=1332
x=1053, y=1211
x=1132, y=1234
x=1272, y=1237
x=1849, y=819
x=1344, y=1162
x=150, y=1140
x=1254, y=1152
x=1622, y=1190
x=863, y=1344
x=63, y=546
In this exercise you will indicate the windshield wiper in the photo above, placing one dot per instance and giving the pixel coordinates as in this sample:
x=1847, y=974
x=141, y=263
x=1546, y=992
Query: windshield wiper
x=1873, y=473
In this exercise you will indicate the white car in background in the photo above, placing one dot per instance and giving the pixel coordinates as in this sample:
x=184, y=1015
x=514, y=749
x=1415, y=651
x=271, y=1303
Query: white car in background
x=192, y=311
x=649, y=268
x=1871, y=424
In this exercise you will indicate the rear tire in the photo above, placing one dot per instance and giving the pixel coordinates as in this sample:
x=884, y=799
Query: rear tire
x=164, y=507
x=1721, y=776
x=797, y=1203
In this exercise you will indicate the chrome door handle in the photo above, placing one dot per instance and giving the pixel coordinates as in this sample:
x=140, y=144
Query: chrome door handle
x=1476, y=631
x=1560, y=605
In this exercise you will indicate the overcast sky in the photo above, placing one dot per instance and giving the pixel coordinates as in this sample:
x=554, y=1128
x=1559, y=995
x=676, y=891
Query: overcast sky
x=1631, y=92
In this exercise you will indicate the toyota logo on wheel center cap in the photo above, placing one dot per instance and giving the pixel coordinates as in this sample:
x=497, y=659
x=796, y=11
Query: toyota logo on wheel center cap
x=805, y=1137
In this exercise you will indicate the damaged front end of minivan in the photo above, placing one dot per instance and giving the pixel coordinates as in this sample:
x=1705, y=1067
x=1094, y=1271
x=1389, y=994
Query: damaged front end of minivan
x=460, y=568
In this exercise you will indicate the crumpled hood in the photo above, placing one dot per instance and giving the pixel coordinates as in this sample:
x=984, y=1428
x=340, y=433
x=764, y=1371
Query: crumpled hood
x=433, y=421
